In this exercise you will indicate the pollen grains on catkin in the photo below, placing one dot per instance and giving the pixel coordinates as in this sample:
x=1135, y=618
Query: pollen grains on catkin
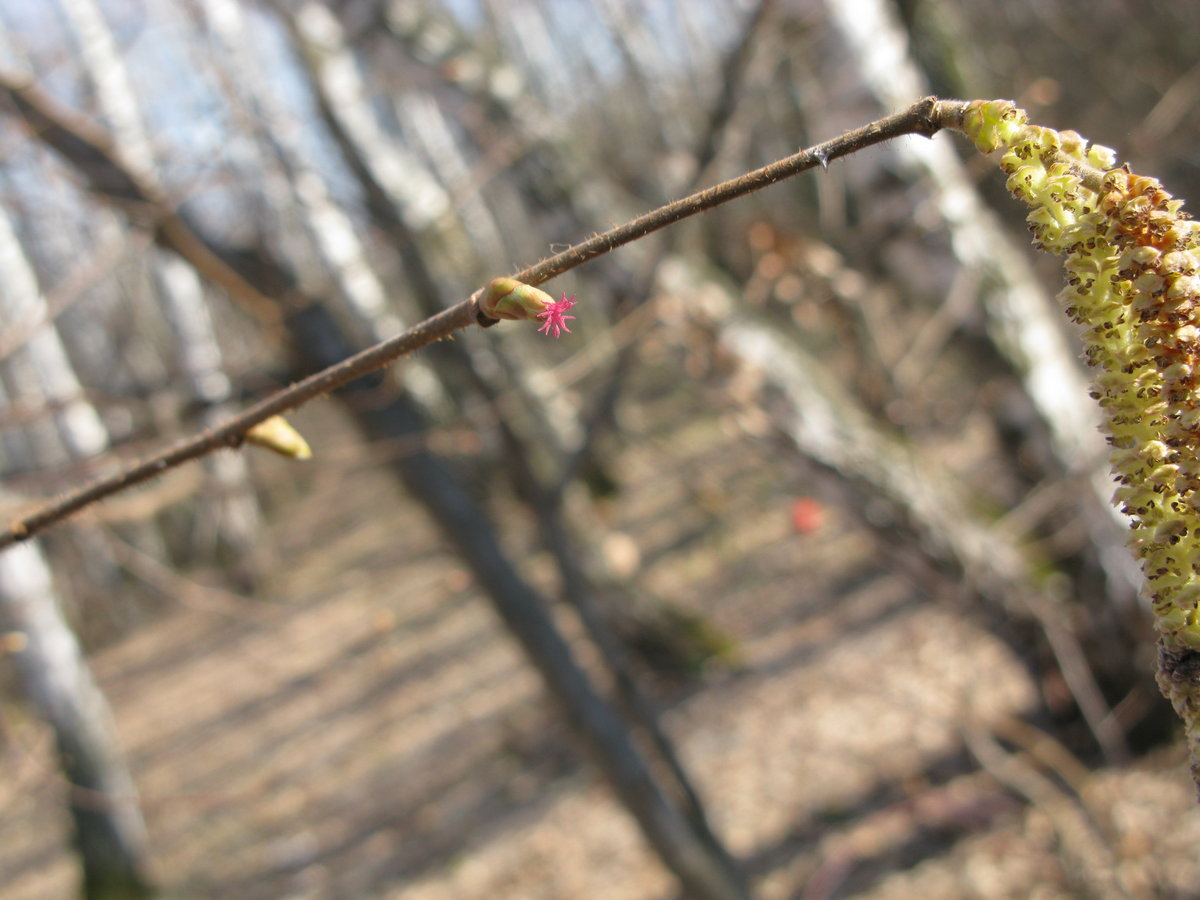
x=1132, y=260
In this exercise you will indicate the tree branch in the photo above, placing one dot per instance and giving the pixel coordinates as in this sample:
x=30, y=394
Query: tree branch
x=88, y=150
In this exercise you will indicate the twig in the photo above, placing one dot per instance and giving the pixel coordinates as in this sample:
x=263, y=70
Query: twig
x=94, y=155
x=231, y=432
x=1083, y=846
x=925, y=117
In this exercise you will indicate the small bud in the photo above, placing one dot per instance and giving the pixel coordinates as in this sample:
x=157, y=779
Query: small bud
x=276, y=435
x=507, y=298
x=1154, y=451
x=1179, y=261
x=1149, y=284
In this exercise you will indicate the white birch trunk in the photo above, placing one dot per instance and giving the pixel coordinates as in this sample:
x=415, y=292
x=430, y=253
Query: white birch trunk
x=1022, y=317
x=108, y=75
x=1020, y=309
x=829, y=425
x=331, y=231
x=238, y=517
x=55, y=676
x=427, y=121
x=409, y=183
x=58, y=682
x=40, y=370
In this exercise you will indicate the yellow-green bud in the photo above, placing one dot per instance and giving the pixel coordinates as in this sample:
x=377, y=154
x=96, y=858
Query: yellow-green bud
x=277, y=435
x=507, y=298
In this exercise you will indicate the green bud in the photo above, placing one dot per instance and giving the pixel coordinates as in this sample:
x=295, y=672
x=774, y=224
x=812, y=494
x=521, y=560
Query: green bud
x=507, y=298
x=277, y=435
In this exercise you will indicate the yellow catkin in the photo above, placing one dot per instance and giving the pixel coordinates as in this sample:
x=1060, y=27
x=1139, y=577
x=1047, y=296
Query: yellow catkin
x=1132, y=259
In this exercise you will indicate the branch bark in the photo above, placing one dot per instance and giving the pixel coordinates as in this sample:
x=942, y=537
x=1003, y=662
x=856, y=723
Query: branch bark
x=85, y=147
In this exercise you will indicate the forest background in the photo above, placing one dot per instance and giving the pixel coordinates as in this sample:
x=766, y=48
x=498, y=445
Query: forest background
x=813, y=489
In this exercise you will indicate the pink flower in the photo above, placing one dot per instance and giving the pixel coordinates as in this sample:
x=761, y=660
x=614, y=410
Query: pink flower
x=556, y=322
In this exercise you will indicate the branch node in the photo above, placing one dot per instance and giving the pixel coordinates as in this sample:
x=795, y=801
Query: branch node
x=928, y=114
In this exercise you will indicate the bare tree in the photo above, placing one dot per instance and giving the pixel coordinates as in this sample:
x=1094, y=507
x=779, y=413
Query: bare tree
x=366, y=165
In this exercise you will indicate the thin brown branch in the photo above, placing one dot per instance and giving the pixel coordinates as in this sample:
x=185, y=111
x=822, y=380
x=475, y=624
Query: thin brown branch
x=94, y=156
x=231, y=432
x=733, y=77
x=85, y=147
x=926, y=117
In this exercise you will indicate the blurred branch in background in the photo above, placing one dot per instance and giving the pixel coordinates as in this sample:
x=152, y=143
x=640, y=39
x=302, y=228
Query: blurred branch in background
x=321, y=174
x=89, y=153
x=435, y=486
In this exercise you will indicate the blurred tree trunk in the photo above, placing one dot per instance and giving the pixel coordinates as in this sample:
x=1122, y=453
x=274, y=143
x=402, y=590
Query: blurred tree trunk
x=825, y=422
x=233, y=517
x=109, y=833
x=702, y=871
x=316, y=337
x=55, y=676
x=527, y=439
x=1025, y=328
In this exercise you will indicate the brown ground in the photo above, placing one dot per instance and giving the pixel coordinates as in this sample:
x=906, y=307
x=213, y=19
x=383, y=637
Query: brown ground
x=367, y=729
